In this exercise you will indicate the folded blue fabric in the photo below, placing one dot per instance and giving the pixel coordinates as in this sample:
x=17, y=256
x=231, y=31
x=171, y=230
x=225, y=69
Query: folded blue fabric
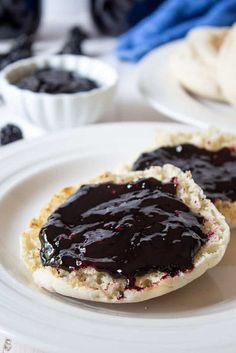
x=172, y=20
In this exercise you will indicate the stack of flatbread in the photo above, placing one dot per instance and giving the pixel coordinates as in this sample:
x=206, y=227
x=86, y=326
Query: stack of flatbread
x=205, y=63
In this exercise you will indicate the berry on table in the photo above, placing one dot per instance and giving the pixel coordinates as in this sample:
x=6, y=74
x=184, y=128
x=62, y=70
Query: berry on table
x=10, y=133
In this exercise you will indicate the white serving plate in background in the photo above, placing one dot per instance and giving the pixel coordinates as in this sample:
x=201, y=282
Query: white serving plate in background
x=162, y=91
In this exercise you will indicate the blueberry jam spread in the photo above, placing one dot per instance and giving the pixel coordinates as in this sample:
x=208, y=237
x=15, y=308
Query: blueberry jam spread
x=214, y=171
x=55, y=81
x=123, y=229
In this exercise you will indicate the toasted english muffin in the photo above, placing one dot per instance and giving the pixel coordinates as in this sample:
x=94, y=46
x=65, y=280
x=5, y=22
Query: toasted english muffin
x=211, y=139
x=194, y=64
x=226, y=69
x=89, y=284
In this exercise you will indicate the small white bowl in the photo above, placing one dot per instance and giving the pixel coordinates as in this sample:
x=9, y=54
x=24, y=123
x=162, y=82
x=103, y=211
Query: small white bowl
x=59, y=111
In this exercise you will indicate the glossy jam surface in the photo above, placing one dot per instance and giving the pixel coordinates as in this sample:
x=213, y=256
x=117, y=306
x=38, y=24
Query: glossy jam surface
x=55, y=81
x=214, y=171
x=124, y=229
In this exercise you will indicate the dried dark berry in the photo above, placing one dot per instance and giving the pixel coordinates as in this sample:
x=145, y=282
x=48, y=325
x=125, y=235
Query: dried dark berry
x=10, y=133
x=114, y=17
x=21, y=49
x=73, y=42
x=19, y=17
x=110, y=16
x=55, y=81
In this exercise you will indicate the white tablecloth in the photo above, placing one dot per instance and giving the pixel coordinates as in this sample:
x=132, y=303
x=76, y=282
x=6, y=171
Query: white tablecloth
x=128, y=106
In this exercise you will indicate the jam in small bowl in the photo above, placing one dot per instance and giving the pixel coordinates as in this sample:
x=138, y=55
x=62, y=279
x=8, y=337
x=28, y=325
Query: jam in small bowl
x=59, y=91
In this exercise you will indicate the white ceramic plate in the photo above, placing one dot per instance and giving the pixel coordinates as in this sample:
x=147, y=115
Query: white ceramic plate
x=160, y=88
x=198, y=318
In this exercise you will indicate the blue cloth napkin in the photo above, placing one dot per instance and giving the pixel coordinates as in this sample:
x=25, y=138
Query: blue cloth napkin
x=172, y=20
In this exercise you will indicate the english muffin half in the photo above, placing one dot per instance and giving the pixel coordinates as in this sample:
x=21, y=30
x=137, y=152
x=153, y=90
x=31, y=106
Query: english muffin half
x=194, y=64
x=125, y=238
x=210, y=155
x=226, y=69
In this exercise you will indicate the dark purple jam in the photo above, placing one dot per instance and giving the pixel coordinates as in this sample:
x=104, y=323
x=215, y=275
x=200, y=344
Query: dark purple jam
x=55, y=81
x=214, y=171
x=123, y=229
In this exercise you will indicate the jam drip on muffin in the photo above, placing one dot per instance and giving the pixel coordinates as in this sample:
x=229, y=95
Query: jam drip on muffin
x=55, y=81
x=214, y=171
x=124, y=229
